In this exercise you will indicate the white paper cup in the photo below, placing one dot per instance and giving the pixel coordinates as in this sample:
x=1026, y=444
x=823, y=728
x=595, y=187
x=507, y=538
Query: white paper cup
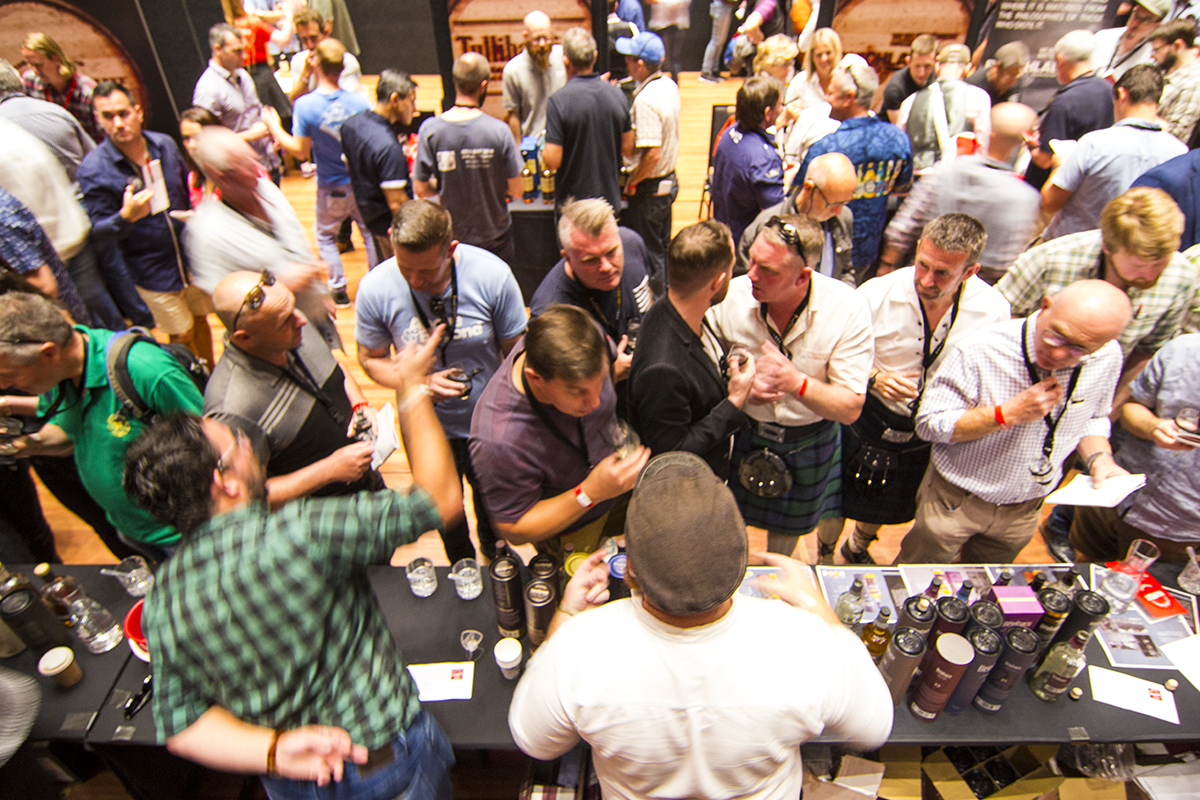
x=508, y=657
x=59, y=663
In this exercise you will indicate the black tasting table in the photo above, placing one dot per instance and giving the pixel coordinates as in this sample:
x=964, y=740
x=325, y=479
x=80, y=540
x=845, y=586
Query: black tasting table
x=427, y=630
x=535, y=243
x=1024, y=719
x=67, y=714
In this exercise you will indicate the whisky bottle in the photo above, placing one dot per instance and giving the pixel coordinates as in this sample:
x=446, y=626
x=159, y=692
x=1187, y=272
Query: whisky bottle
x=849, y=607
x=877, y=635
x=1065, y=661
x=934, y=587
x=58, y=592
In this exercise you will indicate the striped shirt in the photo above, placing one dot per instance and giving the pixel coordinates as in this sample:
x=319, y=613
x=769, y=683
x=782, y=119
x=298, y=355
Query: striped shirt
x=989, y=368
x=1049, y=268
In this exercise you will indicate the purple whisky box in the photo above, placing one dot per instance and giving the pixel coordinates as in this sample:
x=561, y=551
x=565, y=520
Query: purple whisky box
x=1019, y=604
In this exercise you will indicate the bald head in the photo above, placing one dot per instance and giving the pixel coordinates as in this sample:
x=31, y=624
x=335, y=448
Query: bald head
x=536, y=21
x=829, y=184
x=219, y=150
x=229, y=295
x=1086, y=315
x=1010, y=121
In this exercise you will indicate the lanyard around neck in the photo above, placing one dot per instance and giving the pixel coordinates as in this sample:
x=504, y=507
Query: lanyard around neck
x=778, y=337
x=542, y=415
x=451, y=318
x=928, y=356
x=1031, y=368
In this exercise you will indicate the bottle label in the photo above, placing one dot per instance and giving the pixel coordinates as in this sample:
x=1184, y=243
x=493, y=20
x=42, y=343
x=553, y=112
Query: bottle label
x=1057, y=684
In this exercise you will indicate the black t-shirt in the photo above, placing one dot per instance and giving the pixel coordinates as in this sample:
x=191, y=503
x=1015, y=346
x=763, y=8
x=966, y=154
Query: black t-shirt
x=587, y=117
x=373, y=157
x=899, y=86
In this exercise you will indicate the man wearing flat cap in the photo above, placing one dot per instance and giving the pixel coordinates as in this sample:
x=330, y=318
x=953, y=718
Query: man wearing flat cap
x=690, y=688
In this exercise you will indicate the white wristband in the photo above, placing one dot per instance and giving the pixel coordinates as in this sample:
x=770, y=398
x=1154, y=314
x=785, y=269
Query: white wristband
x=582, y=497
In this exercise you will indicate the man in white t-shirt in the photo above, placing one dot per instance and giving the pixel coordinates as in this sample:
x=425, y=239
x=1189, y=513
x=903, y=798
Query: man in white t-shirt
x=668, y=687
x=311, y=30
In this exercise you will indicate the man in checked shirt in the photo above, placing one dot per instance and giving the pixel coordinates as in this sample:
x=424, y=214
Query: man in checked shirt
x=281, y=663
x=1005, y=409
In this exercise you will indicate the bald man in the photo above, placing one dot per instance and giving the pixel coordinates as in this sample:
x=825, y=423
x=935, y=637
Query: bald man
x=284, y=390
x=1005, y=409
x=980, y=186
x=828, y=185
x=532, y=76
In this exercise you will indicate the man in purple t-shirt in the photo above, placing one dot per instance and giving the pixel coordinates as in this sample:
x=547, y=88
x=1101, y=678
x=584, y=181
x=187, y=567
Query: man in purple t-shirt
x=541, y=438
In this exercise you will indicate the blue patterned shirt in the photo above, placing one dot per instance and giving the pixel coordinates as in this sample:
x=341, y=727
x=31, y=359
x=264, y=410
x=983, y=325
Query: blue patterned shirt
x=882, y=157
x=24, y=247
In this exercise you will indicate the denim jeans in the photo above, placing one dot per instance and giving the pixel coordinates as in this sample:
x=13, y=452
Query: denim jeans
x=334, y=204
x=420, y=771
x=722, y=14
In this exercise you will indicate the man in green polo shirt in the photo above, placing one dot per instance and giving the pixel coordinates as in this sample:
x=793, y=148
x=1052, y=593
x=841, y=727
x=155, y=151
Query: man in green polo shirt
x=42, y=354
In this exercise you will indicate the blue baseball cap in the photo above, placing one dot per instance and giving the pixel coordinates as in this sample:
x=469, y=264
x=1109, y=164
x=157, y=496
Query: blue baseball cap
x=646, y=46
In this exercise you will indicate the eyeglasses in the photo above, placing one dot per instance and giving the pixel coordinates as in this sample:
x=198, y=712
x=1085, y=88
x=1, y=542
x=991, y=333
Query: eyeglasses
x=254, y=298
x=239, y=438
x=790, y=235
x=1058, y=342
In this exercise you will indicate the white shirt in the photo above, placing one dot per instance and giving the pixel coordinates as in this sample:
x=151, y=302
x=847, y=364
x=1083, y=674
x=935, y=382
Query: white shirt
x=804, y=91
x=988, y=368
x=716, y=711
x=830, y=342
x=978, y=112
x=900, y=332
x=813, y=124
x=33, y=175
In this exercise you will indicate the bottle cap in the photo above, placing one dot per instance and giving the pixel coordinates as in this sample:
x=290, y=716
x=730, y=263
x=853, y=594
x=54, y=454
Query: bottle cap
x=1076, y=692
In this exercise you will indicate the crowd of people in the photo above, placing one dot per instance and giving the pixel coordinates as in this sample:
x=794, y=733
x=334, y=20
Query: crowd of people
x=919, y=303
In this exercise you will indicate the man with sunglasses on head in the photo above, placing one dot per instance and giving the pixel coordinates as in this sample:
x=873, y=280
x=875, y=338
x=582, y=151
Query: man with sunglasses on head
x=278, y=383
x=43, y=354
x=812, y=343
x=1004, y=411
x=436, y=280
x=918, y=315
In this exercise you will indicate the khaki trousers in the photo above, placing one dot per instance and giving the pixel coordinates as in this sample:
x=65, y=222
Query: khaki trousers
x=951, y=522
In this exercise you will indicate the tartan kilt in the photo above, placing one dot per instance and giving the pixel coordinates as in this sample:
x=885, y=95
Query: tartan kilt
x=897, y=502
x=815, y=463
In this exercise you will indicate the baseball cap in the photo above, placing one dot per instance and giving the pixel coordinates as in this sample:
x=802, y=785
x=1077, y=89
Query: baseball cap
x=685, y=537
x=1158, y=8
x=646, y=46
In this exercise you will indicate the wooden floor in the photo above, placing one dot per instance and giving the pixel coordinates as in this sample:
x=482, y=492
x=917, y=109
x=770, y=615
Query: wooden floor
x=77, y=544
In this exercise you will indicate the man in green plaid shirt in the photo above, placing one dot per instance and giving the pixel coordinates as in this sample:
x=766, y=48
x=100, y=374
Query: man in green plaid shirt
x=270, y=654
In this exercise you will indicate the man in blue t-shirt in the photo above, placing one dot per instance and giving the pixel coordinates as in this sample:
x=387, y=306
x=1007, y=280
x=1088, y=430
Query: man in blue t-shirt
x=433, y=281
x=881, y=154
x=317, y=120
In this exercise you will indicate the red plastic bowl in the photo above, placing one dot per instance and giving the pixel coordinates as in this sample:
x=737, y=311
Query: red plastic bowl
x=133, y=625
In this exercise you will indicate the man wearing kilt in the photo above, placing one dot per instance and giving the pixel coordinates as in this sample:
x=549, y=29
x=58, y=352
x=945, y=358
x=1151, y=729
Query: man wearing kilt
x=811, y=336
x=918, y=314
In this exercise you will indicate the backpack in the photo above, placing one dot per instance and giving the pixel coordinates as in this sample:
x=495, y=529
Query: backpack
x=116, y=359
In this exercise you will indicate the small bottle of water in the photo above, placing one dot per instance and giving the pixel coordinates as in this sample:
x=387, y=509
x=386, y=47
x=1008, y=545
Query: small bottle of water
x=95, y=626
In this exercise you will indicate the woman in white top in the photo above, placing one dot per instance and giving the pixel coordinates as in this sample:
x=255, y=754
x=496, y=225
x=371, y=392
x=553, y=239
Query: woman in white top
x=808, y=88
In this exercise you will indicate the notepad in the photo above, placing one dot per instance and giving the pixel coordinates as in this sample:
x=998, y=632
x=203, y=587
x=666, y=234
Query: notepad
x=1080, y=491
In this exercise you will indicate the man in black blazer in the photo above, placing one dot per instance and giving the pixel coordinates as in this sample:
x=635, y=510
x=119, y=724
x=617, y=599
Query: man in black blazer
x=680, y=398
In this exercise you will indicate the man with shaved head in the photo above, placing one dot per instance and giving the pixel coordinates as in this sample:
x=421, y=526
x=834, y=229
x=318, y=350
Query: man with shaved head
x=981, y=186
x=1004, y=411
x=285, y=392
x=822, y=196
x=532, y=76
x=469, y=161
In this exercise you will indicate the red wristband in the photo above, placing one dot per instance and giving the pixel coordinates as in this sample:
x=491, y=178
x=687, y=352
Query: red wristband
x=1000, y=417
x=803, y=387
x=363, y=404
x=582, y=498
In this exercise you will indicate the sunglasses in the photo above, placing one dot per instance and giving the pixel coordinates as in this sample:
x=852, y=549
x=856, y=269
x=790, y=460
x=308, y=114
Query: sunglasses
x=790, y=235
x=254, y=298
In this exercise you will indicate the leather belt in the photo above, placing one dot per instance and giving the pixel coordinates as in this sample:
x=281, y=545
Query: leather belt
x=785, y=434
